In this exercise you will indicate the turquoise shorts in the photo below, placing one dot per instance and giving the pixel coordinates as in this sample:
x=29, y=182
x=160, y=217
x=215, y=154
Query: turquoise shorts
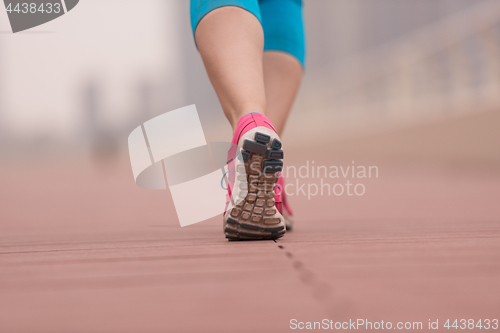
x=281, y=20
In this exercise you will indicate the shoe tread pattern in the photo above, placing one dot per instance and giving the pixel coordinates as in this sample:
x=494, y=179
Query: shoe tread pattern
x=253, y=218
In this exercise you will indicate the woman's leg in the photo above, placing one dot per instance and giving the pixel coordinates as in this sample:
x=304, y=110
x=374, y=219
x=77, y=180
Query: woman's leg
x=284, y=56
x=282, y=77
x=231, y=42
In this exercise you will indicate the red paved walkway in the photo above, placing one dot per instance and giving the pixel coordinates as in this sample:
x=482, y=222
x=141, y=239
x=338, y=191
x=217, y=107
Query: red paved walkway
x=82, y=249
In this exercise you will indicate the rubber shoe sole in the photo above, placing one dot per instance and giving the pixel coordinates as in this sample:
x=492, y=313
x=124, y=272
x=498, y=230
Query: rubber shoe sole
x=256, y=216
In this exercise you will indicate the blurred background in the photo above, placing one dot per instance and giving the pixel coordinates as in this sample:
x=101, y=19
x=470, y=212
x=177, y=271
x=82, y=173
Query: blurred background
x=400, y=84
x=82, y=82
x=412, y=87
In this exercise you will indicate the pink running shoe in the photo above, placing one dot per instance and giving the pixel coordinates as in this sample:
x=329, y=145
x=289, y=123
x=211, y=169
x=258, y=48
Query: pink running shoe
x=252, y=211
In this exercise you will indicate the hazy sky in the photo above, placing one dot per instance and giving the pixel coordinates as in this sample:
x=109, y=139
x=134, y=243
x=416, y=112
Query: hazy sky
x=123, y=45
x=115, y=43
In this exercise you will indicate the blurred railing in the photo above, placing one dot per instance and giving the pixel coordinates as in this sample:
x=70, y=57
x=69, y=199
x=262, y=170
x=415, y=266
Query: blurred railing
x=449, y=67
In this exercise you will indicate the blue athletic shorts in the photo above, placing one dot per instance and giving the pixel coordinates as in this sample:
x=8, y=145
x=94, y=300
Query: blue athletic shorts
x=281, y=20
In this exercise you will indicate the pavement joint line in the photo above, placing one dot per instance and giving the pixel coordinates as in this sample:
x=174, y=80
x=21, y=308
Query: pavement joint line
x=90, y=242
x=75, y=250
x=86, y=249
x=130, y=259
x=321, y=291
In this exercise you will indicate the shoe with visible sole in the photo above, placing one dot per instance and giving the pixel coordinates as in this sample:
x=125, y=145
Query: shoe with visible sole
x=255, y=162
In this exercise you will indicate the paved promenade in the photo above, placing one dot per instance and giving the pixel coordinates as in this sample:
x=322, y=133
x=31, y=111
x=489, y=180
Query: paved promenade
x=82, y=249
